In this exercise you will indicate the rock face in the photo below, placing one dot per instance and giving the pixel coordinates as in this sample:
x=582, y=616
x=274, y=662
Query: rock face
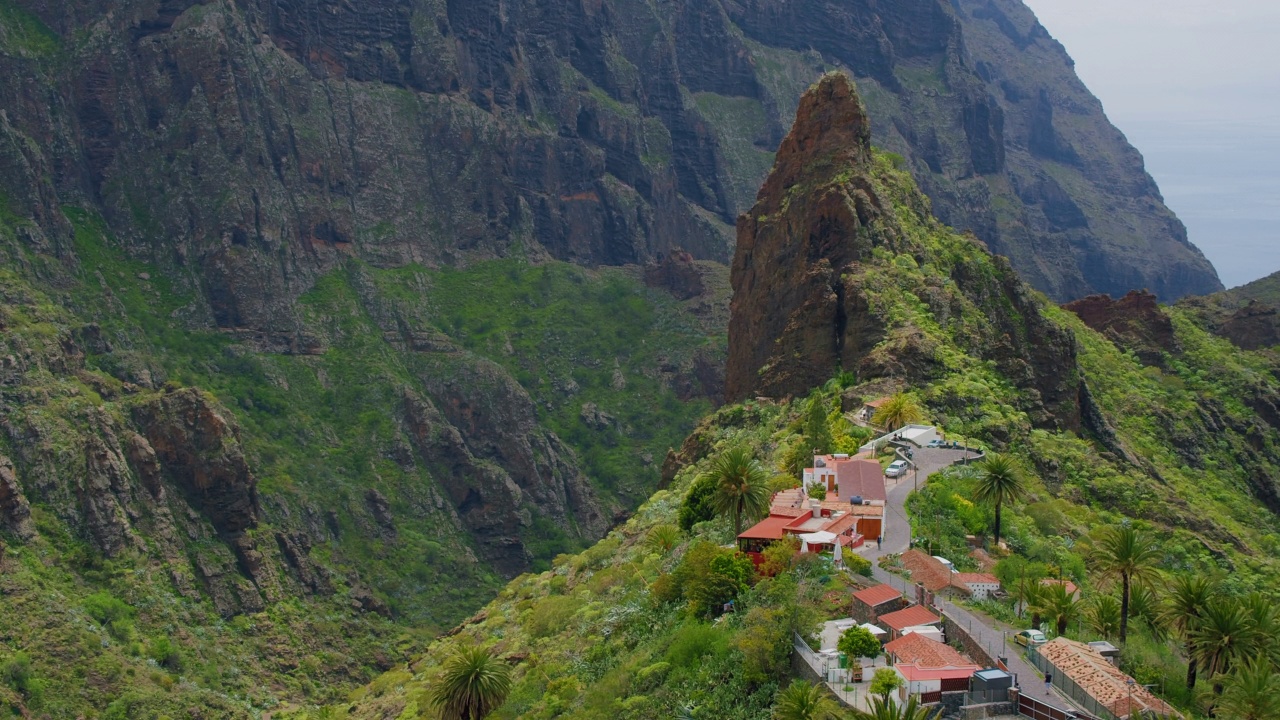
x=252, y=146
x=810, y=253
x=1252, y=327
x=1134, y=322
x=15, y=512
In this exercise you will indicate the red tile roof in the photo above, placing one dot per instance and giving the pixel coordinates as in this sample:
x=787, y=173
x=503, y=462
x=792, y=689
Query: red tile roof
x=925, y=569
x=860, y=477
x=924, y=652
x=769, y=528
x=908, y=617
x=1070, y=586
x=966, y=578
x=1097, y=677
x=842, y=524
x=877, y=595
x=878, y=402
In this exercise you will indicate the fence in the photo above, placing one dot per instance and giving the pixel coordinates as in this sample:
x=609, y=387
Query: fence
x=1036, y=710
x=1068, y=686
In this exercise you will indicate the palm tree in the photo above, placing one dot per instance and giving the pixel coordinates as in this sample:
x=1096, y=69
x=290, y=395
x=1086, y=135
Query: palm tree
x=1252, y=692
x=1224, y=634
x=1059, y=606
x=1184, y=600
x=804, y=701
x=1103, y=615
x=474, y=683
x=886, y=709
x=1000, y=480
x=1145, y=604
x=899, y=410
x=742, y=486
x=1129, y=554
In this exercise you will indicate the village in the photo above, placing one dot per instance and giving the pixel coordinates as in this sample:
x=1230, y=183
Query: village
x=908, y=633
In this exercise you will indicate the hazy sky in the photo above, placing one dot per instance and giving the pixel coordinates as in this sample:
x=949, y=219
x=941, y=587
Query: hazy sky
x=1195, y=85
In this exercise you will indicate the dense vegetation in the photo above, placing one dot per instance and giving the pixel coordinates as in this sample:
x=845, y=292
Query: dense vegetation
x=1156, y=465
x=318, y=430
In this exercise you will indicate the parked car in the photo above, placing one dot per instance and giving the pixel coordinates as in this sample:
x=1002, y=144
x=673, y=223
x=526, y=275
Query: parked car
x=897, y=468
x=935, y=444
x=1030, y=638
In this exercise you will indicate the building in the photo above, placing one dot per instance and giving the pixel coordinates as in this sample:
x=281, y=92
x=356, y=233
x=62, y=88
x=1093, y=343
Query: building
x=870, y=409
x=896, y=622
x=870, y=604
x=937, y=577
x=1072, y=590
x=928, y=666
x=918, y=435
x=979, y=586
x=819, y=525
x=858, y=480
x=1096, y=677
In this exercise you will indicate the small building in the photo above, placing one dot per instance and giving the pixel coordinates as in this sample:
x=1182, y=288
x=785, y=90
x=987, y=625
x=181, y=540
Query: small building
x=857, y=480
x=928, y=666
x=979, y=586
x=871, y=603
x=1071, y=588
x=927, y=570
x=1105, y=683
x=991, y=685
x=896, y=622
x=872, y=407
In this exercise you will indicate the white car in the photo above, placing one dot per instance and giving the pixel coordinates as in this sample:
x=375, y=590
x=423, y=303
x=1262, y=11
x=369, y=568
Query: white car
x=897, y=468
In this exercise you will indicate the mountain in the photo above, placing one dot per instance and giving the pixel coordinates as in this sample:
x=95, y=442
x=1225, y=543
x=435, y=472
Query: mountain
x=1183, y=444
x=1248, y=316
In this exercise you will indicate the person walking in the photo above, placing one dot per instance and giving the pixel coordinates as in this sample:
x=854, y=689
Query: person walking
x=1048, y=682
x=879, y=541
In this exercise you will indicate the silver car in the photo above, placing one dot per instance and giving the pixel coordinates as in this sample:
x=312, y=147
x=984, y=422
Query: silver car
x=897, y=468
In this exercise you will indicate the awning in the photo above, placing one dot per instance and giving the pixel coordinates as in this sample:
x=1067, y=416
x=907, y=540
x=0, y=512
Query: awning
x=822, y=537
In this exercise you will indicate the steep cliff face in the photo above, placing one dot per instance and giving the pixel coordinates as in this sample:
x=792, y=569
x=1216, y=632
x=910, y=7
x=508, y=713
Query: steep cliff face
x=250, y=147
x=832, y=232
x=1134, y=322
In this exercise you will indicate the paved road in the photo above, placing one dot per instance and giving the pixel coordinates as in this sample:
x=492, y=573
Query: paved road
x=990, y=633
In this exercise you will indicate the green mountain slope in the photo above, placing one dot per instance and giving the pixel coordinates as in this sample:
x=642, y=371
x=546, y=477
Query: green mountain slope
x=1184, y=447
x=290, y=519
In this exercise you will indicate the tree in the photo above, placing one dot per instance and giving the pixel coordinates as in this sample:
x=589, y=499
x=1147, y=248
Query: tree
x=817, y=430
x=777, y=557
x=697, y=505
x=1000, y=481
x=1224, y=634
x=858, y=642
x=1179, y=613
x=662, y=538
x=1102, y=614
x=1126, y=553
x=709, y=576
x=884, y=682
x=1059, y=606
x=804, y=701
x=1252, y=692
x=884, y=709
x=899, y=410
x=1022, y=578
x=474, y=683
x=741, y=486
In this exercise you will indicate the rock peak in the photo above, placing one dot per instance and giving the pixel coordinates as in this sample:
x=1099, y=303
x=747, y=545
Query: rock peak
x=831, y=130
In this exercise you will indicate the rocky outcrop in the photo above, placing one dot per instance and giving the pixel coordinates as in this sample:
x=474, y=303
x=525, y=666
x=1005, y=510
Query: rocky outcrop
x=676, y=273
x=1252, y=327
x=1134, y=322
x=198, y=447
x=806, y=275
x=15, y=512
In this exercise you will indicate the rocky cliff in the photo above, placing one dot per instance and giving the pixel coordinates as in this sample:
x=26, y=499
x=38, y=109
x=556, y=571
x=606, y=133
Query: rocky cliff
x=250, y=147
x=833, y=230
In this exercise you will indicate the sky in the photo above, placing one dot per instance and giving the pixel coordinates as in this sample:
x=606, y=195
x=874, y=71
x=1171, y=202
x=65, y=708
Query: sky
x=1195, y=85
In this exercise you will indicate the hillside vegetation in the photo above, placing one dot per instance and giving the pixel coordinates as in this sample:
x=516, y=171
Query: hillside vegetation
x=1177, y=448
x=339, y=525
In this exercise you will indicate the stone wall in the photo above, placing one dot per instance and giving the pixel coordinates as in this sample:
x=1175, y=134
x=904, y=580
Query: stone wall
x=956, y=632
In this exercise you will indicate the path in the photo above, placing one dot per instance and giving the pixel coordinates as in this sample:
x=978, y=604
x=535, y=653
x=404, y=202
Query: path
x=993, y=635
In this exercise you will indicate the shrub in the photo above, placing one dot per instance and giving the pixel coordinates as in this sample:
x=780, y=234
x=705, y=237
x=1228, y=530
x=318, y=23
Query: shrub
x=18, y=674
x=693, y=641
x=166, y=654
x=551, y=615
x=112, y=613
x=698, y=503
x=857, y=564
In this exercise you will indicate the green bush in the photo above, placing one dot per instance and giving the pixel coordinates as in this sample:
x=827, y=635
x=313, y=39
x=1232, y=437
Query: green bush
x=112, y=613
x=697, y=506
x=166, y=654
x=693, y=641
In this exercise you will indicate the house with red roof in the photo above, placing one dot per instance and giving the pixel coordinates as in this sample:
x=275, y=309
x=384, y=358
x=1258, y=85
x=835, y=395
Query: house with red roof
x=928, y=666
x=871, y=603
x=979, y=586
x=911, y=616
